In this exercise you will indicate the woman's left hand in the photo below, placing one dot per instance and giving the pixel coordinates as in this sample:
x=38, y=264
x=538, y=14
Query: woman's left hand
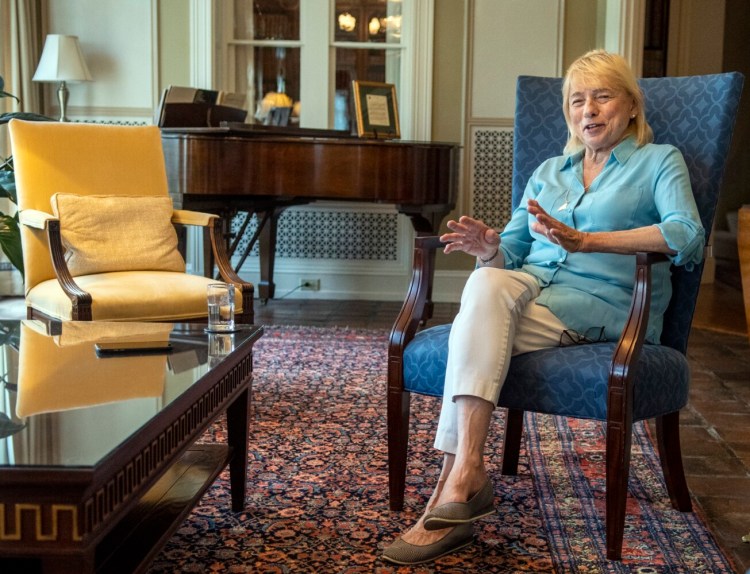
x=557, y=232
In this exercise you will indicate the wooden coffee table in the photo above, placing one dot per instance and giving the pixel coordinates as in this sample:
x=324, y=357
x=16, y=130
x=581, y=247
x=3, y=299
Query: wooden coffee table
x=98, y=456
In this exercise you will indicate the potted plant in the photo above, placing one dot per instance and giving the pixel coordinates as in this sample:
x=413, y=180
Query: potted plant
x=10, y=234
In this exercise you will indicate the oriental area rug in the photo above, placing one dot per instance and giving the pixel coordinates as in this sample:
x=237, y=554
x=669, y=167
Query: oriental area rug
x=317, y=498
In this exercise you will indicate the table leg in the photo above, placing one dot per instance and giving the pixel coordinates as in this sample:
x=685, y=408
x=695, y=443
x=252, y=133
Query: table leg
x=237, y=435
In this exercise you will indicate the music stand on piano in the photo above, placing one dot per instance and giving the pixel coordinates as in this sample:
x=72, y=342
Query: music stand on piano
x=198, y=115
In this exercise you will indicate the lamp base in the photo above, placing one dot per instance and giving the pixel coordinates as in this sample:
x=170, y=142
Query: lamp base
x=62, y=98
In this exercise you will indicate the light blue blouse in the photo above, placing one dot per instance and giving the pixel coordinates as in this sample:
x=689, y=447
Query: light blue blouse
x=636, y=188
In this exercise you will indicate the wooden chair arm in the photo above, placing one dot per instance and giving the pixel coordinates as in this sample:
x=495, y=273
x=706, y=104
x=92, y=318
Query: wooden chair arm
x=620, y=398
x=197, y=218
x=35, y=218
x=213, y=225
x=227, y=273
x=633, y=335
x=215, y=236
x=412, y=311
x=80, y=299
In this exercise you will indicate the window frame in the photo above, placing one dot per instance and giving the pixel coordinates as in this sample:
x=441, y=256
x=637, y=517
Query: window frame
x=317, y=59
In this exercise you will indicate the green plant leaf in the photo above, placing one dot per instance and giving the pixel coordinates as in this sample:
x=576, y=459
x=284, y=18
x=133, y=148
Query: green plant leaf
x=8, y=427
x=8, y=184
x=9, y=334
x=10, y=240
x=3, y=93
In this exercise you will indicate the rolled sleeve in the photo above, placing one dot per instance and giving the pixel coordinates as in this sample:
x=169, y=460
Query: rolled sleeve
x=680, y=223
x=687, y=239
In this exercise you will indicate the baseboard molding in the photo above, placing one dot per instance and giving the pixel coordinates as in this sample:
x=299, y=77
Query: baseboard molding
x=358, y=286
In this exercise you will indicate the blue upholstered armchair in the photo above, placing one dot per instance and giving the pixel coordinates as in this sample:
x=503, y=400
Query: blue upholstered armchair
x=617, y=382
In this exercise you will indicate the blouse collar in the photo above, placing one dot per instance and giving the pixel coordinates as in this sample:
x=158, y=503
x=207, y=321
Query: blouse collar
x=620, y=153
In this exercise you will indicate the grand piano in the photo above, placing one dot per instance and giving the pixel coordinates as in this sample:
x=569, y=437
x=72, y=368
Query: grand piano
x=263, y=170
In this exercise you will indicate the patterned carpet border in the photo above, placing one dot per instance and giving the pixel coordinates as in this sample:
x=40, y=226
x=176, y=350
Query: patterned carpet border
x=317, y=497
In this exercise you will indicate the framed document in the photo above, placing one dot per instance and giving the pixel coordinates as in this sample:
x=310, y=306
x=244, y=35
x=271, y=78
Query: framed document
x=376, y=110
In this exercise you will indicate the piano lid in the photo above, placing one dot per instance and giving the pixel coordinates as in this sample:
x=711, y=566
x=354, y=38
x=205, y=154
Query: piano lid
x=259, y=130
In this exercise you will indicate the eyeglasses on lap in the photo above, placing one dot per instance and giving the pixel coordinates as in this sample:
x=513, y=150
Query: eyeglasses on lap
x=590, y=335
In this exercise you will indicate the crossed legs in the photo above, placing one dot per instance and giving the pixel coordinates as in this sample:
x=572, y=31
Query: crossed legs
x=498, y=318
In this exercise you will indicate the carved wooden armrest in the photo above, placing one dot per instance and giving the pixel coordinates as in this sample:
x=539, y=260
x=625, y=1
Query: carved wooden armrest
x=412, y=311
x=80, y=299
x=187, y=217
x=227, y=273
x=35, y=218
x=632, y=339
x=213, y=223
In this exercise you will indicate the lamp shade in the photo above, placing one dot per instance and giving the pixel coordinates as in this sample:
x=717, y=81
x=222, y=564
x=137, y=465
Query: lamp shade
x=62, y=61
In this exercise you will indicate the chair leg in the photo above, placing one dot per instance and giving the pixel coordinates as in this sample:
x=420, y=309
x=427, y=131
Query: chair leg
x=512, y=441
x=398, y=445
x=670, y=454
x=619, y=436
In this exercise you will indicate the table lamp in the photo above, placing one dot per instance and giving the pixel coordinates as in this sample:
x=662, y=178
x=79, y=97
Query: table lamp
x=62, y=61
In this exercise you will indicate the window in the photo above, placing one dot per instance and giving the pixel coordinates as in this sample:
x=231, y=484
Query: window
x=303, y=56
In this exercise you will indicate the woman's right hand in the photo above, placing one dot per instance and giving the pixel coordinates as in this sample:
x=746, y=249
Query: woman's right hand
x=471, y=236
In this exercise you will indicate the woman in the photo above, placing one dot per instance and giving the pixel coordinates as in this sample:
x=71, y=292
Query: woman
x=559, y=266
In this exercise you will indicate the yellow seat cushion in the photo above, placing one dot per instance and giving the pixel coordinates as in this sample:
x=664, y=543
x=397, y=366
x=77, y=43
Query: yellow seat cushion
x=117, y=233
x=131, y=296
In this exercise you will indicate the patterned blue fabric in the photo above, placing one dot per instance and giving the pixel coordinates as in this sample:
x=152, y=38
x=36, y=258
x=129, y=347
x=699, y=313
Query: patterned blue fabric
x=569, y=381
x=695, y=114
x=424, y=361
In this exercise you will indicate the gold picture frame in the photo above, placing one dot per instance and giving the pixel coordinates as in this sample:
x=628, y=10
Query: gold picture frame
x=376, y=110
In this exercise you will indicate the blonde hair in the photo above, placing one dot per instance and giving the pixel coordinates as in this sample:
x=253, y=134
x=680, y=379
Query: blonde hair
x=599, y=67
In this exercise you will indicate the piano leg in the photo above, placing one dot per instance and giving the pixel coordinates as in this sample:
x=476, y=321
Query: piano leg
x=267, y=247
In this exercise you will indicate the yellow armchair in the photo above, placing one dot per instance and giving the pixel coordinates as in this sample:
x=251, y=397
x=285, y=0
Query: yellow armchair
x=97, y=228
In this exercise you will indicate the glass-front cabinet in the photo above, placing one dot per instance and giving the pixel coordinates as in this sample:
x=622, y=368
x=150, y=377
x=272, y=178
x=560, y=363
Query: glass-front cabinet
x=294, y=60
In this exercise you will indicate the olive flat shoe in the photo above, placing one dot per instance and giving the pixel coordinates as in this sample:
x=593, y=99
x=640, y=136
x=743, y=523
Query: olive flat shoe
x=454, y=513
x=406, y=554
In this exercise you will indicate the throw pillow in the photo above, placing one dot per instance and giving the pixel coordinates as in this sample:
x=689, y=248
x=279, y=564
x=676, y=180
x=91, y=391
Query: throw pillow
x=102, y=233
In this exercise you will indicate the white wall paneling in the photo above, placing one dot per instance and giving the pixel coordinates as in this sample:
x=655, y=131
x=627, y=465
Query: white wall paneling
x=511, y=38
x=118, y=40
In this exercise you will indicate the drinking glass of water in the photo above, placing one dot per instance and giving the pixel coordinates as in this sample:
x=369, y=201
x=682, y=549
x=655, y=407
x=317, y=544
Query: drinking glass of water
x=220, y=307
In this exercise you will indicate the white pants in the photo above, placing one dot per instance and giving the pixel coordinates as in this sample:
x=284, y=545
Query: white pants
x=498, y=318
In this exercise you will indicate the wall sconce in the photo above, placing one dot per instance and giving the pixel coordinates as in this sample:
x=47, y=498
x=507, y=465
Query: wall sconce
x=62, y=61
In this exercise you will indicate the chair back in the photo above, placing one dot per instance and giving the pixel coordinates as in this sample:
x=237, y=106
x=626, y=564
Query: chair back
x=82, y=159
x=696, y=114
